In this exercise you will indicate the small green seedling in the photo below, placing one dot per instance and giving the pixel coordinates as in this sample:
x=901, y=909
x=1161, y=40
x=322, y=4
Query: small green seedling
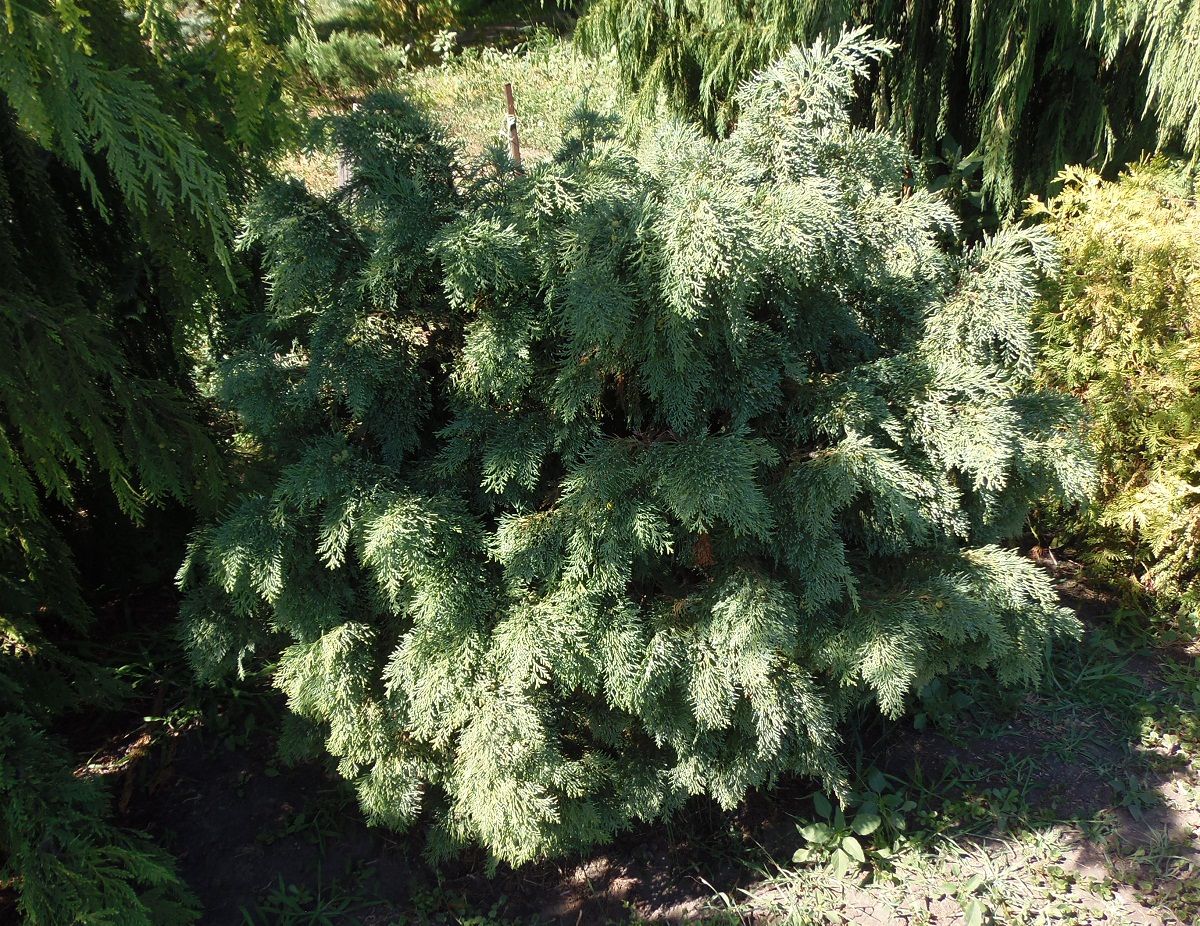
x=939, y=706
x=1135, y=796
x=974, y=910
x=870, y=836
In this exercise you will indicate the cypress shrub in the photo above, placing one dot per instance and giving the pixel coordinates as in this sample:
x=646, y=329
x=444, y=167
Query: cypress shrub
x=582, y=491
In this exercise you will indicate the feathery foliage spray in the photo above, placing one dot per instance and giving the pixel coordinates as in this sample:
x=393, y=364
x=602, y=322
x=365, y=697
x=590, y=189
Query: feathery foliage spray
x=586, y=490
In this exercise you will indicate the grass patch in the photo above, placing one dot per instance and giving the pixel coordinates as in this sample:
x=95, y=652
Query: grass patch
x=465, y=95
x=1077, y=804
x=550, y=79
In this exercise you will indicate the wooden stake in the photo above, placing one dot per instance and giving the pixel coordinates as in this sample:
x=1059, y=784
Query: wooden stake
x=343, y=166
x=514, y=140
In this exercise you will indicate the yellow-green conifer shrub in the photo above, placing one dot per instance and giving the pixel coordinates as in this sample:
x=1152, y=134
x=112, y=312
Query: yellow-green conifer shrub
x=1122, y=331
x=586, y=490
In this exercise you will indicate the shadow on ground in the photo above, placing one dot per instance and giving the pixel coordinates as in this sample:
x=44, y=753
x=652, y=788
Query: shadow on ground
x=1100, y=765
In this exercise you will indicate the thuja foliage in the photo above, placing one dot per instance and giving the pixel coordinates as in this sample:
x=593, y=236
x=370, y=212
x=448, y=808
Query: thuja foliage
x=89, y=398
x=158, y=99
x=124, y=130
x=1026, y=85
x=81, y=868
x=584, y=491
x=1120, y=332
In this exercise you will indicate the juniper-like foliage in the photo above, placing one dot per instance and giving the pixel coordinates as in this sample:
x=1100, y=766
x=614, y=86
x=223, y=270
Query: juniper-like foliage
x=1120, y=332
x=80, y=868
x=344, y=66
x=584, y=491
x=1026, y=86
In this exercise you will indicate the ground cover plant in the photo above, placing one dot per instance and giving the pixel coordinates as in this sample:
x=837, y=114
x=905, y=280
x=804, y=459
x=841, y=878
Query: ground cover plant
x=346, y=65
x=585, y=490
x=1120, y=332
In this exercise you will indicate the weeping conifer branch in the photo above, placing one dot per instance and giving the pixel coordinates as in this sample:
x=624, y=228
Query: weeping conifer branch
x=1025, y=86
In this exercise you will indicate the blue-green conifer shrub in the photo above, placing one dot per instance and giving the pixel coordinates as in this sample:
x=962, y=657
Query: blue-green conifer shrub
x=585, y=490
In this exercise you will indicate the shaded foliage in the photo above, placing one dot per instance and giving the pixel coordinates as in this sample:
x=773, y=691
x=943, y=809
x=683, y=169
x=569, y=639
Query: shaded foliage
x=126, y=132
